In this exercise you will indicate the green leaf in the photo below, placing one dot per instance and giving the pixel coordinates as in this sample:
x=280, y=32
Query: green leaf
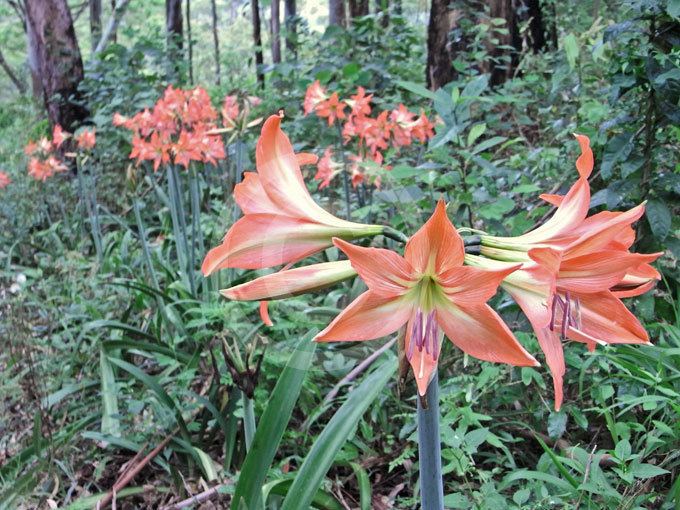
x=110, y=422
x=339, y=428
x=475, y=132
x=571, y=49
x=497, y=209
x=272, y=425
x=416, y=88
x=557, y=424
x=659, y=218
x=457, y=500
x=673, y=8
x=487, y=144
x=648, y=471
x=622, y=450
x=618, y=149
x=525, y=188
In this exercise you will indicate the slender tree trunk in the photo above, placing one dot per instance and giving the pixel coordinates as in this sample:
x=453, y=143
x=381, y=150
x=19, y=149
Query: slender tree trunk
x=58, y=61
x=358, y=8
x=109, y=34
x=32, y=58
x=216, y=42
x=257, y=40
x=440, y=52
x=536, y=25
x=95, y=22
x=275, y=31
x=114, y=5
x=173, y=22
x=290, y=17
x=382, y=7
x=190, y=43
x=336, y=13
x=20, y=85
x=174, y=30
x=503, y=61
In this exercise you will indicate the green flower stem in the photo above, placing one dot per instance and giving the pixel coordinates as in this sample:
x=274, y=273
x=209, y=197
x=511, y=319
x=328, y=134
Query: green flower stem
x=429, y=450
x=248, y=420
x=145, y=245
x=395, y=234
x=345, y=174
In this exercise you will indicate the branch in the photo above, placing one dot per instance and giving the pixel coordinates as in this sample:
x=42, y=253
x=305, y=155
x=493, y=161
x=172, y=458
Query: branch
x=198, y=498
x=111, y=26
x=21, y=86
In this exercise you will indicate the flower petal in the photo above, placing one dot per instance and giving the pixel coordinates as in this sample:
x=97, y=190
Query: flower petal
x=585, y=162
x=437, y=246
x=251, y=197
x=551, y=345
x=279, y=171
x=423, y=364
x=480, y=332
x=466, y=285
x=368, y=317
x=291, y=282
x=599, y=271
x=552, y=199
x=385, y=272
x=306, y=158
x=604, y=318
x=266, y=240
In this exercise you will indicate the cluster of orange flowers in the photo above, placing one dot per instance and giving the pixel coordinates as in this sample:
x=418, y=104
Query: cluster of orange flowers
x=4, y=180
x=43, y=162
x=398, y=128
x=178, y=129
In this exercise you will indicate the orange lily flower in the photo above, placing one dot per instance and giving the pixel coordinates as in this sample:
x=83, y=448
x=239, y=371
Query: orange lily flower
x=292, y=282
x=574, y=271
x=281, y=223
x=431, y=291
x=4, y=180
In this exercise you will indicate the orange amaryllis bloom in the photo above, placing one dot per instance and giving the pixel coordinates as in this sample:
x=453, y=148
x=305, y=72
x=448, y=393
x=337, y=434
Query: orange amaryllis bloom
x=574, y=271
x=281, y=223
x=58, y=136
x=431, y=291
x=292, y=282
x=86, y=139
x=4, y=180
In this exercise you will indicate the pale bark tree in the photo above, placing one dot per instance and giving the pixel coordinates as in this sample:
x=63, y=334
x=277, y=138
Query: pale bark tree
x=336, y=13
x=54, y=49
x=275, y=31
x=95, y=22
x=257, y=41
x=109, y=34
x=216, y=41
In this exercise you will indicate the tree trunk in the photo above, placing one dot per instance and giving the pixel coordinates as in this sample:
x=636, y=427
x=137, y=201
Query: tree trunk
x=358, y=8
x=21, y=87
x=336, y=13
x=57, y=60
x=257, y=40
x=275, y=30
x=95, y=22
x=382, y=8
x=190, y=44
x=173, y=22
x=503, y=61
x=290, y=17
x=216, y=42
x=114, y=5
x=109, y=34
x=440, y=53
x=536, y=26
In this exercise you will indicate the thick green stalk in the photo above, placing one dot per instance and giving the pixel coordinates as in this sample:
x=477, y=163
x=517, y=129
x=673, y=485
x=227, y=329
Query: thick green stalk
x=248, y=420
x=145, y=245
x=345, y=175
x=429, y=450
x=179, y=224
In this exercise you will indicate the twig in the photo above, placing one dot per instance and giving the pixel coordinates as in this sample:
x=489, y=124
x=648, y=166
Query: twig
x=132, y=472
x=357, y=370
x=198, y=498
